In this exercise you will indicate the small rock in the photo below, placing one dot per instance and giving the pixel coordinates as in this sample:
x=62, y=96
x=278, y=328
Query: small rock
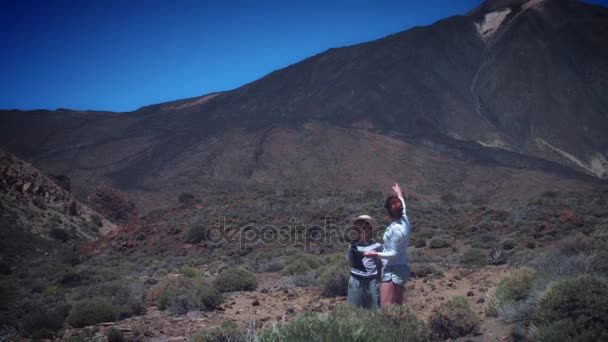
x=481, y=300
x=264, y=290
x=290, y=310
x=470, y=294
x=255, y=302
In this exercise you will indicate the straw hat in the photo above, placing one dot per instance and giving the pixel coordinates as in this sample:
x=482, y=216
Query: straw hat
x=367, y=218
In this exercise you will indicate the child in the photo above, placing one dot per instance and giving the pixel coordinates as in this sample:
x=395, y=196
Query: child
x=363, y=288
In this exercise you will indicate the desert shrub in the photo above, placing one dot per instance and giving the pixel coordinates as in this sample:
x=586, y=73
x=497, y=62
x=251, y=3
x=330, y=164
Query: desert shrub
x=112, y=203
x=92, y=311
x=43, y=320
x=424, y=270
x=556, y=263
x=196, y=233
x=575, y=308
x=126, y=297
x=180, y=303
x=419, y=243
x=302, y=280
x=301, y=264
x=190, y=272
x=155, y=292
x=509, y=244
x=236, y=279
x=227, y=331
x=115, y=335
x=474, y=257
x=208, y=297
x=510, y=290
x=454, y=319
x=579, y=244
x=333, y=278
x=599, y=262
x=96, y=219
x=185, y=198
x=439, y=243
x=59, y=234
x=346, y=323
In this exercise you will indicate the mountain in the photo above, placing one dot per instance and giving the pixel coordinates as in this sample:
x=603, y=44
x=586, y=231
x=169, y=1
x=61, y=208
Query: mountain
x=507, y=100
x=38, y=214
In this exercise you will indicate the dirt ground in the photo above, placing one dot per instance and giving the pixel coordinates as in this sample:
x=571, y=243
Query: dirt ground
x=272, y=303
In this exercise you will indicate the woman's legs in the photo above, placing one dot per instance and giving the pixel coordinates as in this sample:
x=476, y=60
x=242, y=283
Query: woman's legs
x=390, y=294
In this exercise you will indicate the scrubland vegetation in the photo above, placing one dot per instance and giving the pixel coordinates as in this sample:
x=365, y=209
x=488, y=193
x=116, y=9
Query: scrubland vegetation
x=555, y=244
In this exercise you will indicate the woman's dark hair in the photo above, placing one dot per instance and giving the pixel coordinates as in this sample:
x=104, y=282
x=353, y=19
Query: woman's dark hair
x=394, y=207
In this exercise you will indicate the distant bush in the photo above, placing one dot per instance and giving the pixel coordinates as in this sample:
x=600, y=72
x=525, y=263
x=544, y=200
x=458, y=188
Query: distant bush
x=300, y=264
x=572, y=310
x=236, y=279
x=510, y=290
x=208, y=297
x=509, y=244
x=333, y=278
x=424, y=270
x=190, y=271
x=46, y=319
x=346, y=323
x=454, y=319
x=59, y=234
x=96, y=219
x=196, y=234
x=420, y=243
x=439, y=243
x=162, y=292
x=227, y=331
x=91, y=312
x=115, y=335
x=186, y=198
x=474, y=257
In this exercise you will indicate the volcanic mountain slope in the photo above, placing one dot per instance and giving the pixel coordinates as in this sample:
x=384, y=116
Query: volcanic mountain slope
x=36, y=213
x=508, y=98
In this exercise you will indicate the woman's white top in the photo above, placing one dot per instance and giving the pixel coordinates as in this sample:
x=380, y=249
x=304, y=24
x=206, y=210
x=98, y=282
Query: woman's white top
x=396, y=240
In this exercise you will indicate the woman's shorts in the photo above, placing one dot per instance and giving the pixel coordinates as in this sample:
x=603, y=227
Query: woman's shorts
x=398, y=274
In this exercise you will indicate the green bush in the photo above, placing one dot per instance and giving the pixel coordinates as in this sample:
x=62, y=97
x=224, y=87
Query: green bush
x=346, y=323
x=186, y=198
x=196, y=234
x=474, y=257
x=439, y=243
x=333, y=278
x=208, y=297
x=509, y=244
x=510, y=290
x=228, y=331
x=92, y=311
x=236, y=279
x=454, y=319
x=419, y=243
x=424, y=270
x=300, y=264
x=574, y=310
x=190, y=272
x=59, y=234
x=115, y=335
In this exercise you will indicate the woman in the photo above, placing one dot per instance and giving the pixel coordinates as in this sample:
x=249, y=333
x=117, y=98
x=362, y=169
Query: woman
x=395, y=270
x=363, y=280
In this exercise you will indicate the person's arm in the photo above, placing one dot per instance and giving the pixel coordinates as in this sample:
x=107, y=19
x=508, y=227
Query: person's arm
x=390, y=249
x=390, y=252
x=349, y=256
x=399, y=193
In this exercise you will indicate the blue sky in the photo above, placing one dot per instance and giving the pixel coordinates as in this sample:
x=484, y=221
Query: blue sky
x=121, y=55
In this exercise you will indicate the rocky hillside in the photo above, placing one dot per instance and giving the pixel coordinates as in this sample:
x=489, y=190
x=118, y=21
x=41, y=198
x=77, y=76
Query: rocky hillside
x=508, y=100
x=37, y=213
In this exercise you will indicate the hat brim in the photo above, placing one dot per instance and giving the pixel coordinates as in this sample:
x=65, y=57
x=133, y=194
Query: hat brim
x=371, y=221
